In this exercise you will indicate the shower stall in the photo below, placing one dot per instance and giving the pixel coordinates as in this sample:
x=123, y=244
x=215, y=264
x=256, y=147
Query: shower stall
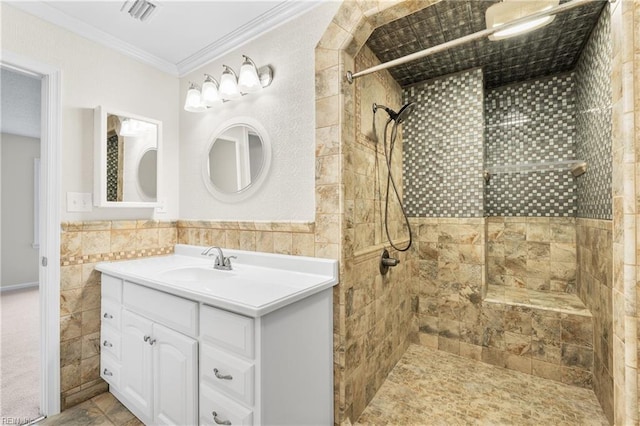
x=514, y=256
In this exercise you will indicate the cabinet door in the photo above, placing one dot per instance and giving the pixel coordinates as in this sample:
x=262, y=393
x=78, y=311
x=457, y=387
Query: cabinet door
x=135, y=371
x=175, y=377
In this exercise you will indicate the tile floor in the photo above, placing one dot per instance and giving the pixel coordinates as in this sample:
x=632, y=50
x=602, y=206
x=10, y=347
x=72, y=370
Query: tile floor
x=426, y=387
x=430, y=387
x=102, y=410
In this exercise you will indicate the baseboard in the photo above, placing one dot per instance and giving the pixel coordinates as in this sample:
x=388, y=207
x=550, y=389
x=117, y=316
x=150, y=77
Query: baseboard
x=18, y=286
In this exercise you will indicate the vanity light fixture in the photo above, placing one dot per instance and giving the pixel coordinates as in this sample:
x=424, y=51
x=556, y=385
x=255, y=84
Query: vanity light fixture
x=194, y=103
x=510, y=10
x=252, y=79
x=210, y=93
x=249, y=81
x=229, y=84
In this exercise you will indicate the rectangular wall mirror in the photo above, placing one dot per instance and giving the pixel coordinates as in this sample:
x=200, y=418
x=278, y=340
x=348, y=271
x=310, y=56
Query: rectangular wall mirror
x=128, y=153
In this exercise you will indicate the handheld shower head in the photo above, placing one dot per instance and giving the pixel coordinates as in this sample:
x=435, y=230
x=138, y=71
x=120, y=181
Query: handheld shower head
x=399, y=116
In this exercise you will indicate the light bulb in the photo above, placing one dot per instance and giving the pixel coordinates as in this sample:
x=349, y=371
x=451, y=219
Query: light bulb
x=193, y=102
x=249, y=82
x=210, y=94
x=229, y=84
x=523, y=28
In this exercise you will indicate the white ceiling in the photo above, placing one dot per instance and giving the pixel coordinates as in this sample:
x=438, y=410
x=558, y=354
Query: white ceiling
x=180, y=36
x=20, y=105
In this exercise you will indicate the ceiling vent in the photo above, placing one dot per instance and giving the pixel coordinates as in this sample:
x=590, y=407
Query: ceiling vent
x=139, y=9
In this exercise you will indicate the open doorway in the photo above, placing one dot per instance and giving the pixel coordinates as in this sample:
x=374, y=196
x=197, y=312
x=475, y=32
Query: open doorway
x=19, y=246
x=37, y=178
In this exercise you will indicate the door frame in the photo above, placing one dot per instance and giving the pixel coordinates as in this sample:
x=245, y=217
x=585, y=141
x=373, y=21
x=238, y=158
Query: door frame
x=49, y=276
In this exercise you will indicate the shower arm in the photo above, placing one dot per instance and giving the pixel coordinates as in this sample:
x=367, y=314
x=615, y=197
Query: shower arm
x=462, y=40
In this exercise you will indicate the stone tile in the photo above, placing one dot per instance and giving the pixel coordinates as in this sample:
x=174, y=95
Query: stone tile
x=84, y=414
x=113, y=409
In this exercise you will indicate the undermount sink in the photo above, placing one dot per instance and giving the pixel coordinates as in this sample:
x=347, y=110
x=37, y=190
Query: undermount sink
x=196, y=273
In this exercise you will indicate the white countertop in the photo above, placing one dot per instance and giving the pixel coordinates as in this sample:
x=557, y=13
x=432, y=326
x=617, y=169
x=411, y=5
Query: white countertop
x=258, y=284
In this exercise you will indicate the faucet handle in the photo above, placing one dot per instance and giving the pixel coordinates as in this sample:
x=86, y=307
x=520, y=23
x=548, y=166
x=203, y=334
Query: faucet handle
x=227, y=260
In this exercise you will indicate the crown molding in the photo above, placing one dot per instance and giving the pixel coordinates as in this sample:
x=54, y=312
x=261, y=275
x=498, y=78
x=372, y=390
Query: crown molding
x=269, y=20
x=53, y=15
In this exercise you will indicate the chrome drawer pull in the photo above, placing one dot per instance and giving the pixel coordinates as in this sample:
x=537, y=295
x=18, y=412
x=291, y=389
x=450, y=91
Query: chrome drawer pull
x=107, y=372
x=222, y=376
x=107, y=344
x=108, y=316
x=220, y=422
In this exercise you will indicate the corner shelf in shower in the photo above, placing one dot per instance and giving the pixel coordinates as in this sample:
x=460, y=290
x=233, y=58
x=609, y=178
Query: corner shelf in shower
x=577, y=167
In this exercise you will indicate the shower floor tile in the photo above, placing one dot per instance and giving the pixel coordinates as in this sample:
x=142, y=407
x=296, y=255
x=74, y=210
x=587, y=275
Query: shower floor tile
x=430, y=387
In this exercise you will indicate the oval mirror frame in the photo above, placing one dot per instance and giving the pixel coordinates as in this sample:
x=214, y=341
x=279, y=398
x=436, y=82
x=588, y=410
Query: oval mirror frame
x=255, y=184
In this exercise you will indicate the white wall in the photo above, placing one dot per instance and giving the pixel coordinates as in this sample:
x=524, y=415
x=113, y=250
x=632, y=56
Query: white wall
x=94, y=75
x=19, y=258
x=286, y=109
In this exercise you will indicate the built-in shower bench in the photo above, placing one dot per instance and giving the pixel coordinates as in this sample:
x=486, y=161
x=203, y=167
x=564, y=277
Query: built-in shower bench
x=545, y=333
x=564, y=303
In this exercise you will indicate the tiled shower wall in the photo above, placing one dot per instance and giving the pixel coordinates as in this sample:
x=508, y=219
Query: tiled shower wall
x=593, y=123
x=530, y=122
x=444, y=147
x=378, y=309
x=594, y=227
x=595, y=276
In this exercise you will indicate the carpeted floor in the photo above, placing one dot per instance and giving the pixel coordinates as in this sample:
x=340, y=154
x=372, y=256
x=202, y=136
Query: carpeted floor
x=20, y=356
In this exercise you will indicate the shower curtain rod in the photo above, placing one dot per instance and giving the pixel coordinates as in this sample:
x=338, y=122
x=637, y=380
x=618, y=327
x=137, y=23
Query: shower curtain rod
x=462, y=40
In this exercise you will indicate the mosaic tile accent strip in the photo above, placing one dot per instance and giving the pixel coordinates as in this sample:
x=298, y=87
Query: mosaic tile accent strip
x=593, y=123
x=531, y=122
x=443, y=147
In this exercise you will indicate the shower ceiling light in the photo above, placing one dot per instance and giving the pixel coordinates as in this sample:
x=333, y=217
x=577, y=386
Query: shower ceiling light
x=252, y=79
x=509, y=10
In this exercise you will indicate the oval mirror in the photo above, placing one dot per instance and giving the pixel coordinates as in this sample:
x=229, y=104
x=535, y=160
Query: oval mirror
x=237, y=160
x=147, y=172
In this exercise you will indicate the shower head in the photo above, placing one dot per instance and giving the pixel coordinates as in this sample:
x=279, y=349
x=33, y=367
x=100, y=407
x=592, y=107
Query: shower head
x=399, y=116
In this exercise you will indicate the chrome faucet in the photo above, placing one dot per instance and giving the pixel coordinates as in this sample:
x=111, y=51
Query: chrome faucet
x=221, y=262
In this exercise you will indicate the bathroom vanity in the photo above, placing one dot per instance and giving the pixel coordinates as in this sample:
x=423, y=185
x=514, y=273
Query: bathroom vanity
x=183, y=343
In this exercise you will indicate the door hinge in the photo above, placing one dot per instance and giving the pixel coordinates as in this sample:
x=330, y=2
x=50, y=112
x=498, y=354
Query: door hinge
x=44, y=261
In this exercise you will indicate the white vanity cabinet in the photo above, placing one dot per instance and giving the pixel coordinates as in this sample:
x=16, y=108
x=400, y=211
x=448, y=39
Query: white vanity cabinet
x=158, y=366
x=275, y=369
x=255, y=348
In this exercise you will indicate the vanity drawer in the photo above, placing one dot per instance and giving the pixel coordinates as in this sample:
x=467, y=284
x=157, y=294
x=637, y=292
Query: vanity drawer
x=175, y=312
x=227, y=373
x=111, y=288
x=110, y=370
x=227, y=330
x=224, y=408
x=110, y=341
x=110, y=313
